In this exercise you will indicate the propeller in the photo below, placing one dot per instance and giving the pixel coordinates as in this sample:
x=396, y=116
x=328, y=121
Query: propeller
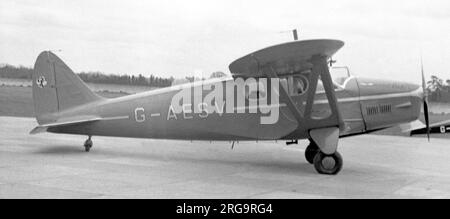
x=425, y=102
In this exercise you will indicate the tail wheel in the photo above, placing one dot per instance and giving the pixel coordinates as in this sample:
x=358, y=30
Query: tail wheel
x=88, y=144
x=328, y=164
x=87, y=147
x=311, y=152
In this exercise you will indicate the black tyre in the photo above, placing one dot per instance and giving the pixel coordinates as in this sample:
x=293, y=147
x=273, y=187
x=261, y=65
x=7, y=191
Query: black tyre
x=311, y=152
x=88, y=145
x=328, y=164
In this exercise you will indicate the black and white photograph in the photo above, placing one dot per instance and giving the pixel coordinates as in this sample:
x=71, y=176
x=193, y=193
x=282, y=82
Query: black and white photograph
x=252, y=100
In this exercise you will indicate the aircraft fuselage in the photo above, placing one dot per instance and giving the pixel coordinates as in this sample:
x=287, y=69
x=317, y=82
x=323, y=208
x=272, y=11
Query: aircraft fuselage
x=365, y=105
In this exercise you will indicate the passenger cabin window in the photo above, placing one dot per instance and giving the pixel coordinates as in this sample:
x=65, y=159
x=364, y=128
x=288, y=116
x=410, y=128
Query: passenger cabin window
x=299, y=84
x=340, y=75
x=256, y=94
x=321, y=89
x=296, y=85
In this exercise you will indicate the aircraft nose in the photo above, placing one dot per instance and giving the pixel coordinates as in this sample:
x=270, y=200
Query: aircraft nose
x=420, y=92
x=410, y=86
x=416, y=90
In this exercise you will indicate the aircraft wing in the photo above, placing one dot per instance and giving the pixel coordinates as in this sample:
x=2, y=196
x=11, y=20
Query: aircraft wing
x=287, y=58
x=65, y=122
x=309, y=57
x=439, y=127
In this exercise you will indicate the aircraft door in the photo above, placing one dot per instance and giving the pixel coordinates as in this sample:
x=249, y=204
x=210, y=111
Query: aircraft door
x=350, y=106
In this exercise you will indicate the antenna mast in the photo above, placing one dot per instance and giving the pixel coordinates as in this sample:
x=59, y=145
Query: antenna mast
x=294, y=32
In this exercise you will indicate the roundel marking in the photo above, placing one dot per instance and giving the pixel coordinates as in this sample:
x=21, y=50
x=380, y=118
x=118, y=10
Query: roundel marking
x=41, y=82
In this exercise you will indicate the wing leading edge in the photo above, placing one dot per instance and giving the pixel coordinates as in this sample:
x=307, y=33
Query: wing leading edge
x=285, y=58
x=439, y=127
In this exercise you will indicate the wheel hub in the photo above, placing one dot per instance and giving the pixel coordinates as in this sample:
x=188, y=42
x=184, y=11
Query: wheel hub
x=328, y=163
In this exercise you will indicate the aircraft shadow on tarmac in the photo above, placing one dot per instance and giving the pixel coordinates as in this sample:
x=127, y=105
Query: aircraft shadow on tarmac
x=60, y=150
x=273, y=166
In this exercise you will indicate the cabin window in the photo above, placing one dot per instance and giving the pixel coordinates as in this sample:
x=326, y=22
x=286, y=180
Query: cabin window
x=299, y=84
x=256, y=94
x=321, y=89
x=340, y=75
x=295, y=85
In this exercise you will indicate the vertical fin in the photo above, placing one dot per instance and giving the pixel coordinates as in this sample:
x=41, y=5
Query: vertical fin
x=57, y=88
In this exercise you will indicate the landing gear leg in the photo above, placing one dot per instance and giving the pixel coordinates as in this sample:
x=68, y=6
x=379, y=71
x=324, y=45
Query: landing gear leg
x=327, y=160
x=88, y=144
x=311, y=151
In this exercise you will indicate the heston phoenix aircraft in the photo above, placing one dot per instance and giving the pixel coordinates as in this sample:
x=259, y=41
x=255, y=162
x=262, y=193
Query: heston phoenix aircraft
x=307, y=105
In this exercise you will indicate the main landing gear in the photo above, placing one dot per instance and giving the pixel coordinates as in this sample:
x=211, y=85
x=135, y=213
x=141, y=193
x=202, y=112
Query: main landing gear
x=322, y=150
x=311, y=152
x=88, y=144
x=329, y=164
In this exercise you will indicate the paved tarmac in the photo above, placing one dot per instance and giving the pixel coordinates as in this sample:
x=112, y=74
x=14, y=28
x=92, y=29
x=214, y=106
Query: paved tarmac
x=56, y=166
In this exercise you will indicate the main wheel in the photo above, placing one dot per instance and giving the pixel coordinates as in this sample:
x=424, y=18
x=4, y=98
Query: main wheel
x=311, y=152
x=328, y=164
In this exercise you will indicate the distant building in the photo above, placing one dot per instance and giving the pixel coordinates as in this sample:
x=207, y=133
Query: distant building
x=218, y=74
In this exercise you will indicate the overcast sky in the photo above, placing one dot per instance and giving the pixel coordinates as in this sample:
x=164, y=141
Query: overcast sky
x=384, y=38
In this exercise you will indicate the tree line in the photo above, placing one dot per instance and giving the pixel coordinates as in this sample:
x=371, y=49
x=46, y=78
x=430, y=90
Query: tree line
x=139, y=80
x=438, y=89
x=21, y=72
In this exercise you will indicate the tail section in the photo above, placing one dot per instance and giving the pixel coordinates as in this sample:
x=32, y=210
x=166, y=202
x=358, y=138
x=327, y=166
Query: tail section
x=57, y=88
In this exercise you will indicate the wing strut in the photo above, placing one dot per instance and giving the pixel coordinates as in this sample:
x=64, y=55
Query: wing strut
x=325, y=132
x=326, y=135
x=320, y=68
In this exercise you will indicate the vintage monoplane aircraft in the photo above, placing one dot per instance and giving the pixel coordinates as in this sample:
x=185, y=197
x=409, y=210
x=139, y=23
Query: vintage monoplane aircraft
x=305, y=103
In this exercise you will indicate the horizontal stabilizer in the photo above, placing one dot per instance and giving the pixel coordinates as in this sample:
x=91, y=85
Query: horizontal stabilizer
x=38, y=129
x=64, y=122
